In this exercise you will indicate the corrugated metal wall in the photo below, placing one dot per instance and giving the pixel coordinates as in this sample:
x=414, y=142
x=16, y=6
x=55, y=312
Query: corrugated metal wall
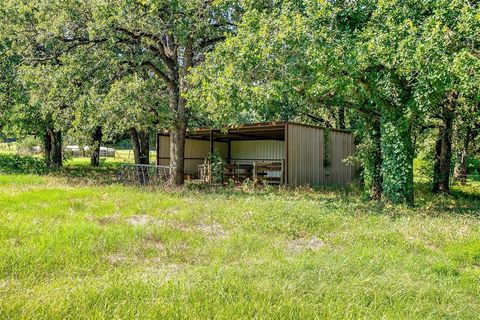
x=342, y=146
x=243, y=151
x=260, y=150
x=306, y=154
x=195, y=152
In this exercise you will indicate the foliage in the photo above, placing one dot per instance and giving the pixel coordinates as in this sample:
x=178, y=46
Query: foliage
x=69, y=67
x=216, y=165
x=29, y=145
x=397, y=162
x=12, y=163
x=391, y=60
x=474, y=168
x=135, y=102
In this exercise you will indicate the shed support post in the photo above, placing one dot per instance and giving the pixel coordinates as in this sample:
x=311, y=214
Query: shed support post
x=211, y=142
x=229, y=154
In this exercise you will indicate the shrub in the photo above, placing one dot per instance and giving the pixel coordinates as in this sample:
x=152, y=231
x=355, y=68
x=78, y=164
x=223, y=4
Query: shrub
x=474, y=169
x=29, y=145
x=12, y=163
x=216, y=163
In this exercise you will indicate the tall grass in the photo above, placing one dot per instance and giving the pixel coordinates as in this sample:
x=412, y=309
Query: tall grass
x=106, y=252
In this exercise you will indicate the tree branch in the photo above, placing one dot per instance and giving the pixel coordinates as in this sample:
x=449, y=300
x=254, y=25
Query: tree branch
x=157, y=71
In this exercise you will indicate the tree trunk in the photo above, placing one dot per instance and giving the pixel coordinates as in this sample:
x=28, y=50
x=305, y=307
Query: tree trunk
x=375, y=161
x=97, y=140
x=177, y=136
x=177, y=151
x=135, y=145
x=57, y=158
x=341, y=118
x=461, y=164
x=53, y=152
x=397, y=157
x=144, y=141
x=47, y=147
x=53, y=148
x=174, y=78
x=140, y=145
x=443, y=151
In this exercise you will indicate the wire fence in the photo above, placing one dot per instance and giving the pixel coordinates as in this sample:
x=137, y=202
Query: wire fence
x=143, y=174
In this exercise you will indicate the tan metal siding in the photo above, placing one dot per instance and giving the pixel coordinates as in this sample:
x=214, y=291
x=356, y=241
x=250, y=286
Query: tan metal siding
x=306, y=154
x=342, y=146
x=257, y=150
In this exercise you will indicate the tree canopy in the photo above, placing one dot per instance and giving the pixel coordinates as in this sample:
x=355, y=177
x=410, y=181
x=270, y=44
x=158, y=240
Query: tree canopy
x=395, y=72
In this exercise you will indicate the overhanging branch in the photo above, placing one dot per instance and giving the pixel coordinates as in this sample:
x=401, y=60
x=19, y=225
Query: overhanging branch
x=149, y=65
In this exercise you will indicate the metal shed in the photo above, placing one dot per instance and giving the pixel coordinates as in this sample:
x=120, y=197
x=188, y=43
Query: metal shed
x=300, y=148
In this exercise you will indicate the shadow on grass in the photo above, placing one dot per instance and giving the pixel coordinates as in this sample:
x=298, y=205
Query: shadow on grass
x=106, y=173
x=463, y=200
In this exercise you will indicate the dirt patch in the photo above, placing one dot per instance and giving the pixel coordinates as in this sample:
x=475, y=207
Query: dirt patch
x=105, y=220
x=139, y=220
x=117, y=259
x=305, y=244
x=159, y=273
x=209, y=229
x=153, y=241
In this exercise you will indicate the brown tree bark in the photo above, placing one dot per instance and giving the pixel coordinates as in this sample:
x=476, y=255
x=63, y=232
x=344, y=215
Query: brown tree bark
x=177, y=103
x=47, y=147
x=443, y=149
x=56, y=153
x=144, y=147
x=53, y=148
x=96, y=139
x=177, y=136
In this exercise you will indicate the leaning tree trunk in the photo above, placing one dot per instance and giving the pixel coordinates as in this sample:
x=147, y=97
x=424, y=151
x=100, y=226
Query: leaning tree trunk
x=373, y=165
x=96, y=139
x=443, y=151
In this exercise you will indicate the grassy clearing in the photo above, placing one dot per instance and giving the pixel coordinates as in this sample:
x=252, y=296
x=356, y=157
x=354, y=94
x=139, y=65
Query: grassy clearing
x=7, y=148
x=72, y=250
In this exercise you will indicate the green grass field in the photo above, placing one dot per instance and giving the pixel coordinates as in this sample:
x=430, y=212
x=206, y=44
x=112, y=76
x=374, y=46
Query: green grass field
x=70, y=248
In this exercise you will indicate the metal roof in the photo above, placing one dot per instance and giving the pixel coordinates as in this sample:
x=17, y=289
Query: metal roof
x=251, y=131
x=274, y=130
